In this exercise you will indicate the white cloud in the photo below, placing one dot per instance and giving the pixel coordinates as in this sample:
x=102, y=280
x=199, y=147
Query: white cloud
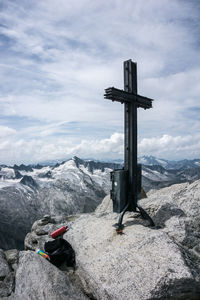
x=37, y=150
x=106, y=148
x=171, y=147
x=6, y=131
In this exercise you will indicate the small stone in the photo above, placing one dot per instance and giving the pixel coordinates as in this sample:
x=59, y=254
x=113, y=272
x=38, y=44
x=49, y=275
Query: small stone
x=12, y=256
x=45, y=220
x=41, y=231
x=14, y=267
x=33, y=241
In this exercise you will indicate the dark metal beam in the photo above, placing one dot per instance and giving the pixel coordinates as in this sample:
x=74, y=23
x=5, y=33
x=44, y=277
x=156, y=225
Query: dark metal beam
x=126, y=97
x=130, y=130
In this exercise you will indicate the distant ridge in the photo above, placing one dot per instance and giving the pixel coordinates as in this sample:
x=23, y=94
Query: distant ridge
x=170, y=164
x=147, y=160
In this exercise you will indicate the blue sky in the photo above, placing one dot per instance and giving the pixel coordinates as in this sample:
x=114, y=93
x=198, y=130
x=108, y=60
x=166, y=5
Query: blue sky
x=57, y=57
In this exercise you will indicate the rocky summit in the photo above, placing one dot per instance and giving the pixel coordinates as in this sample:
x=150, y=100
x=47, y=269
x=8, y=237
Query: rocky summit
x=142, y=263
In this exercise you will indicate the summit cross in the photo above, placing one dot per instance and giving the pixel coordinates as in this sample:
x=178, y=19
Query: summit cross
x=125, y=196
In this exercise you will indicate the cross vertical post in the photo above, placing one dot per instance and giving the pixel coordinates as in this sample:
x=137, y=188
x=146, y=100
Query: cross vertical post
x=130, y=131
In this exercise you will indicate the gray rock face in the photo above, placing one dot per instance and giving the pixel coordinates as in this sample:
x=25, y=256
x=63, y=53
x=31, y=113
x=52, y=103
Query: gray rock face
x=29, y=181
x=19, y=209
x=37, y=279
x=142, y=262
x=6, y=277
x=4, y=270
x=176, y=210
x=12, y=257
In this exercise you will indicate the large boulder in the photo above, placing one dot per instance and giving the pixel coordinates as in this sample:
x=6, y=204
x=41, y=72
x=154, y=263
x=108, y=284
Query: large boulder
x=176, y=210
x=36, y=278
x=140, y=264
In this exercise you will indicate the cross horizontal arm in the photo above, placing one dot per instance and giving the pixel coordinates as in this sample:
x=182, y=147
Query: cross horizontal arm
x=125, y=97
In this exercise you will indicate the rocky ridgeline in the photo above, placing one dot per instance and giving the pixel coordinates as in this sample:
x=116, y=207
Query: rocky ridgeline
x=143, y=263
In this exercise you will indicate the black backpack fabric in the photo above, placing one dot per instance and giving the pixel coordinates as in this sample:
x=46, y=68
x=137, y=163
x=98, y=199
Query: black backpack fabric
x=60, y=251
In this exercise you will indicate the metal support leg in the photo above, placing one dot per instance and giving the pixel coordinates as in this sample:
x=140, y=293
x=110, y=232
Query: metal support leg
x=145, y=215
x=119, y=226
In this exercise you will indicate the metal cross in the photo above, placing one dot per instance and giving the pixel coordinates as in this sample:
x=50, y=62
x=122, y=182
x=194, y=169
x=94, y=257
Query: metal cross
x=131, y=101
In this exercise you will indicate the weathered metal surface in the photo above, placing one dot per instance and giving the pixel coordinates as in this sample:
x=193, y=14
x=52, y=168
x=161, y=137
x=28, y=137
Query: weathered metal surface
x=119, y=192
x=114, y=94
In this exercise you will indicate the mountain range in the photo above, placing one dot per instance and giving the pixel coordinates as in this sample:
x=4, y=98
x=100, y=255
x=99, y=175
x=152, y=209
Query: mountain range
x=159, y=173
x=169, y=164
x=27, y=192
x=156, y=173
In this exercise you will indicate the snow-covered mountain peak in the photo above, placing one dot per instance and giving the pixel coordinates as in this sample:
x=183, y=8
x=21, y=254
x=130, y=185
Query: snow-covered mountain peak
x=7, y=172
x=65, y=166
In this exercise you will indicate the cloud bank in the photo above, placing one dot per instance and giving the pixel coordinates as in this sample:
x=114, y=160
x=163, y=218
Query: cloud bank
x=103, y=149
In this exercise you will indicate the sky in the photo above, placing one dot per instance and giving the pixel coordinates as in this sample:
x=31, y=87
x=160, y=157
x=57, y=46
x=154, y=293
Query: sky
x=58, y=56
